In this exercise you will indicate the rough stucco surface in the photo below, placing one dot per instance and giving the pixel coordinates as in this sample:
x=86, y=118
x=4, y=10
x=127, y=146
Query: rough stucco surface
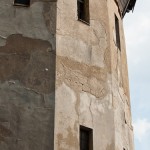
x=27, y=75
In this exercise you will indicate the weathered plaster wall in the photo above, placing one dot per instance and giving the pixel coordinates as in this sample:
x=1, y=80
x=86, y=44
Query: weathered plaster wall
x=27, y=75
x=120, y=85
x=91, y=78
x=83, y=79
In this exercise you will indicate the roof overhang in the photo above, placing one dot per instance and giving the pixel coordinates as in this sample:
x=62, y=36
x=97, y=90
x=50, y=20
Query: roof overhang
x=125, y=6
x=129, y=6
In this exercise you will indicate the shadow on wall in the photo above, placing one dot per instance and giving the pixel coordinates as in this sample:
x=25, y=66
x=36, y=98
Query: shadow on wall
x=27, y=90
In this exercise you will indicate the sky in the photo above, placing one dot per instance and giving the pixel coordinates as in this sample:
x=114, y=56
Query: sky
x=137, y=33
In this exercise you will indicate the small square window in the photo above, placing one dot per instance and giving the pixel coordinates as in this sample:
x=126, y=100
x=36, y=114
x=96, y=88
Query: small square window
x=86, y=138
x=117, y=31
x=22, y=2
x=83, y=11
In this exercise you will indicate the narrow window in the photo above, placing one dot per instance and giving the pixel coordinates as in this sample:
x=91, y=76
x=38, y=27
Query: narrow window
x=125, y=118
x=86, y=138
x=83, y=10
x=22, y=2
x=117, y=32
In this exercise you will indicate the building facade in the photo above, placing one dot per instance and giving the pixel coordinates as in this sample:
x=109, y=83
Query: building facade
x=63, y=75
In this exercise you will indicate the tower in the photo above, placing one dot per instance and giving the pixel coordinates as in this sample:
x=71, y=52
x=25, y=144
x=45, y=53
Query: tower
x=63, y=75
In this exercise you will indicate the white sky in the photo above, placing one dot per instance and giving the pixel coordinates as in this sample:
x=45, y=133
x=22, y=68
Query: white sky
x=137, y=31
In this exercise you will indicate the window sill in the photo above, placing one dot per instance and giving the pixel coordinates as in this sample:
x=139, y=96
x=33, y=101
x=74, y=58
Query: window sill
x=85, y=22
x=23, y=5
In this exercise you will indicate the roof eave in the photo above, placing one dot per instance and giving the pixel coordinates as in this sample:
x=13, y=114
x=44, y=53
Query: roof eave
x=127, y=9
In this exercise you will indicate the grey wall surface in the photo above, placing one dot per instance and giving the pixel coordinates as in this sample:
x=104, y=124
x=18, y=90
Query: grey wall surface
x=27, y=75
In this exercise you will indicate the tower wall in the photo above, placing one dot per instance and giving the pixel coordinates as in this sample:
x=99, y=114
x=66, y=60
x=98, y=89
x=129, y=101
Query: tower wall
x=58, y=73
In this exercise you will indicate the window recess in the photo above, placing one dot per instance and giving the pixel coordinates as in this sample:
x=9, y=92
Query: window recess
x=86, y=138
x=22, y=2
x=117, y=31
x=83, y=11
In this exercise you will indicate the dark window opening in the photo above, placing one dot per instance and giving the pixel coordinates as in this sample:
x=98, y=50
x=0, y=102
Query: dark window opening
x=86, y=138
x=125, y=118
x=83, y=10
x=22, y=2
x=117, y=32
